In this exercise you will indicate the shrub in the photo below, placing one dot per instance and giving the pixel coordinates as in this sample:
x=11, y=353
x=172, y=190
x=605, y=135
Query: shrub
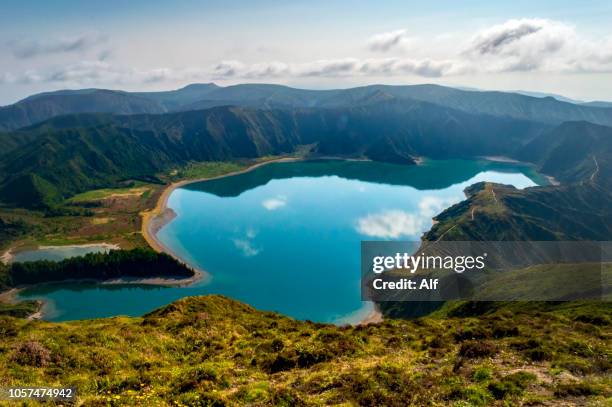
x=511, y=385
x=285, y=397
x=204, y=376
x=477, y=349
x=438, y=342
x=600, y=320
x=581, y=349
x=575, y=365
x=32, y=353
x=533, y=349
x=277, y=345
x=469, y=333
x=504, y=330
x=8, y=327
x=482, y=374
x=477, y=396
x=473, y=309
x=281, y=363
x=577, y=389
x=207, y=399
x=309, y=357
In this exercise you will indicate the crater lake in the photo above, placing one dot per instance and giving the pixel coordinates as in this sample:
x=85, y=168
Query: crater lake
x=286, y=236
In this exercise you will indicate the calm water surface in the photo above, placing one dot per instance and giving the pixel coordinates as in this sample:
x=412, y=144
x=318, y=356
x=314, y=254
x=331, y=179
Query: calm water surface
x=286, y=237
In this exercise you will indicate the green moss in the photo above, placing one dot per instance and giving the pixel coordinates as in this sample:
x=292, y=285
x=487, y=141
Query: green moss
x=579, y=389
x=511, y=385
x=477, y=396
x=482, y=374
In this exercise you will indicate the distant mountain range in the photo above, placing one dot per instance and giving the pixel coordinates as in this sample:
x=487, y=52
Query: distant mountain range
x=40, y=107
x=61, y=143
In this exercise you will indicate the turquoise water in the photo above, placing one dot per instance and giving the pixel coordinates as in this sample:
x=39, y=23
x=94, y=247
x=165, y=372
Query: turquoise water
x=286, y=237
x=56, y=253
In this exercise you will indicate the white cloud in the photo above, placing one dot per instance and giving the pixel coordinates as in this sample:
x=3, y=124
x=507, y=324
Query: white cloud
x=525, y=45
x=89, y=72
x=343, y=67
x=504, y=37
x=390, y=224
x=246, y=247
x=24, y=49
x=515, y=45
x=384, y=42
x=519, y=45
x=429, y=206
x=275, y=203
x=234, y=68
x=251, y=233
x=395, y=223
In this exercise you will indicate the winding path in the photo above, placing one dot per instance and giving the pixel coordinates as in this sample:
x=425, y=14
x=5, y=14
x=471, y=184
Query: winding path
x=447, y=230
x=596, y=169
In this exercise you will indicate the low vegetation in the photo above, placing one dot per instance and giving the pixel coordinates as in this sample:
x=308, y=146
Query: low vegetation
x=103, y=215
x=216, y=351
x=22, y=309
x=198, y=170
x=106, y=215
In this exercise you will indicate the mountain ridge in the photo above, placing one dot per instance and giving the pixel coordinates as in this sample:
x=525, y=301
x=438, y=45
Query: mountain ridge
x=40, y=107
x=69, y=154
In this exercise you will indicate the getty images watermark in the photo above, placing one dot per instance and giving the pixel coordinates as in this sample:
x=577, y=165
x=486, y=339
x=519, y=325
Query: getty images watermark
x=485, y=271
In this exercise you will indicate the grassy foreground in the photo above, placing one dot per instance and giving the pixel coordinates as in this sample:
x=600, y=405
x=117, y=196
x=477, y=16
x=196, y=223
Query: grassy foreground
x=215, y=351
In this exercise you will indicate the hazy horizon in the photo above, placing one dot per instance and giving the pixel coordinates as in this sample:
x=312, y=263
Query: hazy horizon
x=557, y=47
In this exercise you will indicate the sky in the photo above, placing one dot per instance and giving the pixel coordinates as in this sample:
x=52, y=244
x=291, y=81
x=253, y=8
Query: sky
x=561, y=47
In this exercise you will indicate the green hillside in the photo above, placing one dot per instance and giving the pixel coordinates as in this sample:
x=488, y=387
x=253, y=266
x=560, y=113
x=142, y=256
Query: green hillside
x=578, y=154
x=71, y=154
x=573, y=151
x=215, y=351
x=500, y=212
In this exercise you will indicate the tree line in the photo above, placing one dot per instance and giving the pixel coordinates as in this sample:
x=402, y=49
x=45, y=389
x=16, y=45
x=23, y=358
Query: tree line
x=142, y=263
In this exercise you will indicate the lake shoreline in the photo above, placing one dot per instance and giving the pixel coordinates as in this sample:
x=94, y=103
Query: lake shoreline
x=158, y=217
x=374, y=317
x=503, y=159
x=11, y=295
x=154, y=220
x=10, y=253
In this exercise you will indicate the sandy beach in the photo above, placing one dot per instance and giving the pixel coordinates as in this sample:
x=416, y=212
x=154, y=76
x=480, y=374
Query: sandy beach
x=373, y=317
x=7, y=256
x=8, y=296
x=502, y=159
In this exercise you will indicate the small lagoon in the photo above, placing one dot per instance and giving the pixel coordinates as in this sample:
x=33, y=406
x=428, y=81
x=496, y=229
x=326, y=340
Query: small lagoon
x=57, y=253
